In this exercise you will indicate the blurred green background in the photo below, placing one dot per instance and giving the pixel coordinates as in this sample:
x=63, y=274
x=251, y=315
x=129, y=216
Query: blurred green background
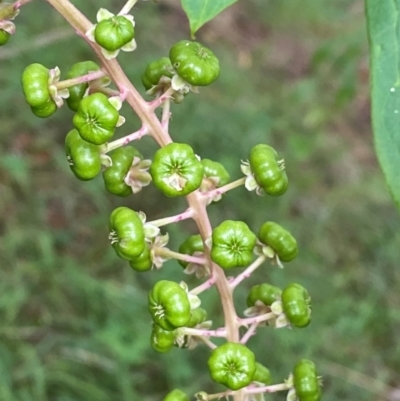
x=74, y=324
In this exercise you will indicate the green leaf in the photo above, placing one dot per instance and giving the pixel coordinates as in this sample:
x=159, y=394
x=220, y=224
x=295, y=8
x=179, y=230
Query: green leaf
x=384, y=39
x=201, y=11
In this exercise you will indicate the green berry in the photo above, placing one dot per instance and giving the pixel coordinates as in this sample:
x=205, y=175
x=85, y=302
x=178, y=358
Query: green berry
x=169, y=305
x=193, y=62
x=191, y=245
x=161, y=340
x=126, y=233
x=155, y=70
x=176, y=395
x=269, y=174
x=113, y=33
x=262, y=375
x=175, y=170
x=114, y=176
x=296, y=305
x=96, y=119
x=306, y=381
x=266, y=293
x=35, y=84
x=4, y=36
x=232, y=244
x=77, y=92
x=279, y=239
x=83, y=157
x=232, y=365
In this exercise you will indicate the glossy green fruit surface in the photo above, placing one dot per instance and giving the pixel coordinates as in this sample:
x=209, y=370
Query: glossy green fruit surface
x=196, y=64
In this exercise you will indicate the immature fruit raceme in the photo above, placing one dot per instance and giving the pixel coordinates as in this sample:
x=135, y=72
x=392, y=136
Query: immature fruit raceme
x=169, y=305
x=269, y=174
x=155, y=70
x=4, y=36
x=83, y=157
x=176, y=395
x=266, y=293
x=161, y=340
x=114, y=176
x=232, y=244
x=196, y=64
x=296, y=305
x=306, y=381
x=262, y=374
x=232, y=365
x=279, y=239
x=126, y=233
x=77, y=92
x=175, y=170
x=35, y=84
x=96, y=119
x=113, y=33
x=191, y=245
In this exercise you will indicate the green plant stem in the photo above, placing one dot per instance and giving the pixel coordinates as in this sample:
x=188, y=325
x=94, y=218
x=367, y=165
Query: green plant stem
x=225, y=188
x=206, y=341
x=165, y=252
x=248, y=271
x=268, y=389
x=250, y=332
x=79, y=80
x=187, y=214
x=166, y=114
x=81, y=25
x=256, y=319
x=106, y=91
x=203, y=333
x=204, y=286
x=156, y=103
x=126, y=139
x=127, y=7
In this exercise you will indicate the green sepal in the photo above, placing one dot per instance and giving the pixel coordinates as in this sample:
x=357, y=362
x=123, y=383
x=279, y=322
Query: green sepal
x=96, y=119
x=126, y=233
x=268, y=173
x=266, y=293
x=279, y=239
x=233, y=365
x=196, y=64
x=169, y=305
x=83, y=157
x=175, y=170
x=232, y=244
x=77, y=92
x=114, y=176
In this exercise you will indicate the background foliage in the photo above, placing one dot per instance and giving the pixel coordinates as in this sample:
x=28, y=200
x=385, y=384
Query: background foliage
x=74, y=321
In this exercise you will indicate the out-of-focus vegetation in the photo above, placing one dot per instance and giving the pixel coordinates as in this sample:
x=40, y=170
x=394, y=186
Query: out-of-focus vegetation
x=74, y=324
